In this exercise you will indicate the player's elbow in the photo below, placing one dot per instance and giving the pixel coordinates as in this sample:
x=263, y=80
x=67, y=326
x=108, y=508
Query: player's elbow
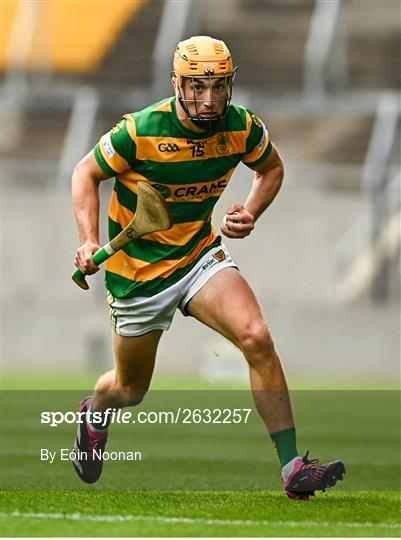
x=272, y=178
x=279, y=173
x=273, y=172
x=280, y=167
x=77, y=169
x=89, y=169
x=82, y=169
x=79, y=172
x=280, y=179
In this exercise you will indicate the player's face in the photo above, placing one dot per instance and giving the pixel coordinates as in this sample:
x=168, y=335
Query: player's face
x=205, y=97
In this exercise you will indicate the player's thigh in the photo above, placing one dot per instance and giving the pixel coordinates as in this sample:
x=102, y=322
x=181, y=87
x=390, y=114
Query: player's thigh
x=134, y=357
x=227, y=304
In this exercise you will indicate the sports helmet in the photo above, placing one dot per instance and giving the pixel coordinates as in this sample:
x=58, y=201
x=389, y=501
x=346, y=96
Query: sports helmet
x=203, y=57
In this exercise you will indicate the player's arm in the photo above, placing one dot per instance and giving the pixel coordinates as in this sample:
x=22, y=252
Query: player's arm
x=240, y=219
x=111, y=156
x=262, y=157
x=86, y=178
x=266, y=184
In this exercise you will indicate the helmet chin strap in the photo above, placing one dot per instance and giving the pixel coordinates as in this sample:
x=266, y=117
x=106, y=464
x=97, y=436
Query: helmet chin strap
x=206, y=123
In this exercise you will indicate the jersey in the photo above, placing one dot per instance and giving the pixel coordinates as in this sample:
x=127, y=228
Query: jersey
x=191, y=171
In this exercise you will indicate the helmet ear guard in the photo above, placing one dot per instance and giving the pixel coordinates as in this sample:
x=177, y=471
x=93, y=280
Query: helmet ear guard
x=208, y=59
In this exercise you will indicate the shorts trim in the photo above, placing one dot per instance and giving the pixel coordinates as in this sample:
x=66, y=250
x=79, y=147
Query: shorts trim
x=141, y=315
x=138, y=333
x=198, y=286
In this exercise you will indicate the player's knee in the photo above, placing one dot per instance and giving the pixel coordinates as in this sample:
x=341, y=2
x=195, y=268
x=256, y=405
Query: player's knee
x=131, y=396
x=256, y=339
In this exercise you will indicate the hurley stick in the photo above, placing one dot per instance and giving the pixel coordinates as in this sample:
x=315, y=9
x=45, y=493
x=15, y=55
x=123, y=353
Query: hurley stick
x=151, y=215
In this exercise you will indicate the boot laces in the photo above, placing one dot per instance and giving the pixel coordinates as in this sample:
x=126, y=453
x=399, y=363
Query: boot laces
x=307, y=462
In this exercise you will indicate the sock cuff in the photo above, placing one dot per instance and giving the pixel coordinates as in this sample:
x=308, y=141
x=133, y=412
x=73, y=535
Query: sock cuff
x=283, y=433
x=285, y=445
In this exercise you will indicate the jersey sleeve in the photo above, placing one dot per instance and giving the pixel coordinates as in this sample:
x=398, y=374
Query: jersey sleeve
x=116, y=150
x=258, y=144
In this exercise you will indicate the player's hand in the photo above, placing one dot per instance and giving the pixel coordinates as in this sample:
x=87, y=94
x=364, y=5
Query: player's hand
x=238, y=222
x=83, y=257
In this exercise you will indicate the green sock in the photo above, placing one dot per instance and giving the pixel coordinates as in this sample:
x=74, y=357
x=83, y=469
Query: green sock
x=285, y=444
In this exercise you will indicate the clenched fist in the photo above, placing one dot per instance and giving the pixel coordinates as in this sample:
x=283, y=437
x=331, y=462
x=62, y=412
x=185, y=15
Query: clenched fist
x=238, y=222
x=83, y=258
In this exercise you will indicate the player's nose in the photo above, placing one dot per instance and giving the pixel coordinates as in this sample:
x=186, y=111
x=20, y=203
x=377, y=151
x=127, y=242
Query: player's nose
x=208, y=98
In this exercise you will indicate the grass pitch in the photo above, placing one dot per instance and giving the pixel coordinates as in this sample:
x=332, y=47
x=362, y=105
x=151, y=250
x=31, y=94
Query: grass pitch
x=203, y=480
x=242, y=513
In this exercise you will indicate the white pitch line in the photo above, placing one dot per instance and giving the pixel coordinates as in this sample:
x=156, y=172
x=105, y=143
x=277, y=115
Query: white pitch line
x=77, y=516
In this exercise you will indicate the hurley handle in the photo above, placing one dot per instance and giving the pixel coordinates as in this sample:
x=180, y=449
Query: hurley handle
x=152, y=215
x=100, y=256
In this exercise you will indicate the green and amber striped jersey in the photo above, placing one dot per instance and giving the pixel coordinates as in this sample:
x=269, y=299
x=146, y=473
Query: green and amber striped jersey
x=191, y=171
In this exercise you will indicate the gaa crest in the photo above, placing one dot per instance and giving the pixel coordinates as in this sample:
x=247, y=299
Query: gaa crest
x=223, y=146
x=219, y=255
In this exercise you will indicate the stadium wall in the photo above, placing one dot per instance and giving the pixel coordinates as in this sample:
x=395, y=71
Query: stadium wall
x=51, y=325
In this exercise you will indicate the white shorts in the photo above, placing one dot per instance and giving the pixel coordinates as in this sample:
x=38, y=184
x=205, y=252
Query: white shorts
x=137, y=316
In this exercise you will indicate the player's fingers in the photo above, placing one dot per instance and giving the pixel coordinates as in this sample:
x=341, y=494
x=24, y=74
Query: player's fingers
x=94, y=248
x=228, y=219
x=83, y=260
x=90, y=266
x=227, y=232
x=240, y=226
x=236, y=228
x=225, y=229
x=91, y=269
x=80, y=259
x=242, y=216
x=234, y=208
x=234, y=234
x=79, y=263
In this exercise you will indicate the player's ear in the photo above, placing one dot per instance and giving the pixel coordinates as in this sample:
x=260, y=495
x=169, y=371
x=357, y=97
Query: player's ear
x=174, y=82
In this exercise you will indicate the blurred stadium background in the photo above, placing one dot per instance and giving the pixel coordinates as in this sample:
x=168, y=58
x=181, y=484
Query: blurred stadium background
x=324, y=260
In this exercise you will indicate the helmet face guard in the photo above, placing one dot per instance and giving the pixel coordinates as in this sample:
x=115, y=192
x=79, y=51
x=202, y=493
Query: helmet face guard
x=192, y=98
x=203, y=73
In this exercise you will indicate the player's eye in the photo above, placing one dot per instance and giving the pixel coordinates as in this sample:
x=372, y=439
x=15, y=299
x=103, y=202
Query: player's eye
x=197, y=87
x=219, y=87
